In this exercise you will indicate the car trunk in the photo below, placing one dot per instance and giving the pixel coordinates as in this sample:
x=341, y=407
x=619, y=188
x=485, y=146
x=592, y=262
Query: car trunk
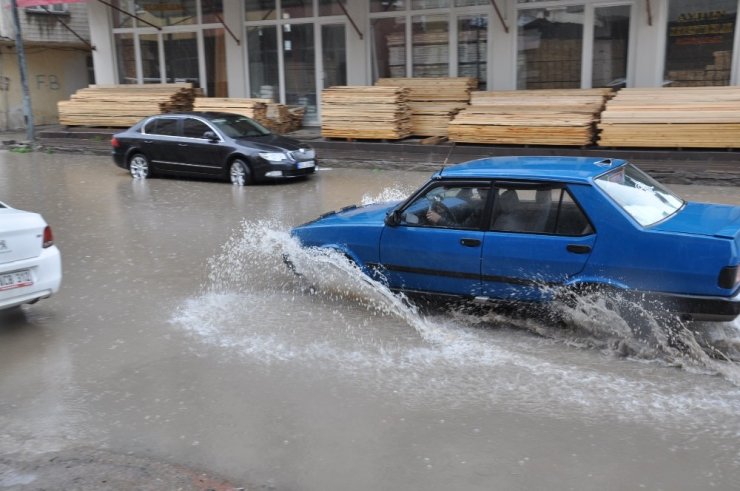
x=705, y=219
x=21, y=235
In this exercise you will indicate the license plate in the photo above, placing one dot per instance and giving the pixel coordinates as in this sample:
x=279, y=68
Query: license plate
x=16, y=279
x=306, y=164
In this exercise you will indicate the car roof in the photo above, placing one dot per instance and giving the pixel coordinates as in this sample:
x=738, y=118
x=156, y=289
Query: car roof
x=561, y=169
x=203, y=114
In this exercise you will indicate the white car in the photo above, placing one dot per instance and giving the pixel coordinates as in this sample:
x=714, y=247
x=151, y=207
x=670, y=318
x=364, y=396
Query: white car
x=30, y=263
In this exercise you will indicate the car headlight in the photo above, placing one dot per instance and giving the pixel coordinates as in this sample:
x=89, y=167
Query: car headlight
x=274, y=156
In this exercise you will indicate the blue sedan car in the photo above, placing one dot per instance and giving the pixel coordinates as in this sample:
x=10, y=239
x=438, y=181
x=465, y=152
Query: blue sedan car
x=529, y=228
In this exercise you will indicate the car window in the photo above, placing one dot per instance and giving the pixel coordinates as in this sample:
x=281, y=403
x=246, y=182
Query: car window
x=448, y=206
x=236, y=126
x=538, y=211
x=193, y=128
x=641, y=196
x=162, y=126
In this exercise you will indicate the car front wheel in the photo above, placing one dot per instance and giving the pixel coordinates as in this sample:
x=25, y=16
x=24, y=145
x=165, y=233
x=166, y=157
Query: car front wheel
x=138, y=166
x=239, y=173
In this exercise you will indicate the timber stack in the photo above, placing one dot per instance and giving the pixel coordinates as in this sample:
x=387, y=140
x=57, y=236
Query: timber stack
x=251, y=108
x=124, y=105
x=672, y=117
x=355, y=112
x=564, y=117
x=433, y=101
x=276, y=117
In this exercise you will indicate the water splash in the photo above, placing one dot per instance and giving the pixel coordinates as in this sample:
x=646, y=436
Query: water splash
x=340, y=320
x=388, y=194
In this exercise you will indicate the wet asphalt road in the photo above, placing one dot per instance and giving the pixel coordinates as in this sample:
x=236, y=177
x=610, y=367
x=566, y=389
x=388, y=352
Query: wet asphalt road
x=178, y=336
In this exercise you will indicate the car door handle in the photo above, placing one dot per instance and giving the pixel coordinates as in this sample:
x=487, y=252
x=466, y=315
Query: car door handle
x=182, y=144
x=578, y=248
x=470, y=242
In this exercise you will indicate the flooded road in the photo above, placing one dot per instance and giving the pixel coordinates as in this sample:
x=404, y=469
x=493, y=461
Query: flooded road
x=178, y=334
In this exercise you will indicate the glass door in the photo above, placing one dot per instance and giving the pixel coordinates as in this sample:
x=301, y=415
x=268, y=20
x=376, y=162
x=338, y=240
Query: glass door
x=611, y=46
x=299, y=61
x=333, y=55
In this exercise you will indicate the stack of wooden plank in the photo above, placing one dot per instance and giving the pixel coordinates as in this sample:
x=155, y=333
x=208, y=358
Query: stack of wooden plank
x=277, y=117
x=433, y=101
x=252, y=108
x=683, y=117
x=365, y=112
x=123, y=105
x=530, y=117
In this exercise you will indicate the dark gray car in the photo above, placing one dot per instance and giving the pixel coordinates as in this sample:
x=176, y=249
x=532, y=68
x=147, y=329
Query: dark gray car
x=210, y=144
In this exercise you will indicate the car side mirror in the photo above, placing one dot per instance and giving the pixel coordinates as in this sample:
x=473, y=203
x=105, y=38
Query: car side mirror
x=210, y=136
x=393, y=218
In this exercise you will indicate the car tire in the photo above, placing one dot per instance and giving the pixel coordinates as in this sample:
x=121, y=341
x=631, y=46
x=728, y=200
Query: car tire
x=239, y=173
x=138, y=166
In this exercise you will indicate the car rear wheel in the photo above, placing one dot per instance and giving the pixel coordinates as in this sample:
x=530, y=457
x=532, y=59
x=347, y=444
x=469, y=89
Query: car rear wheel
x=239, y=173
x=138, y=166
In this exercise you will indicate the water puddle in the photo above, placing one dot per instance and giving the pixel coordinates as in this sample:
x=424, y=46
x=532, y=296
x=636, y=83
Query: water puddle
x=334, y=320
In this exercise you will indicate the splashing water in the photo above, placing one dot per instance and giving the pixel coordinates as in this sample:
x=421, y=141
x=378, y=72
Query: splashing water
x=333, y=317
x=388, y=194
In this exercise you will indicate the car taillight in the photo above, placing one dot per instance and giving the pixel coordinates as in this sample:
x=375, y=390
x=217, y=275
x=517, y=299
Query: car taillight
x=115, y=142
x=48, y=238
x=729, y=277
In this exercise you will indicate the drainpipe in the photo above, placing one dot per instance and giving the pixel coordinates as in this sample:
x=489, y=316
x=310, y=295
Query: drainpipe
x=27, y=110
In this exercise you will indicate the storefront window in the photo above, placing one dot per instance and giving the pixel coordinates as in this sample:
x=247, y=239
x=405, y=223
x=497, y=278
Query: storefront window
x=472, y=51
x=469, y=3
x=212, y=11
x=126, y=56
x=611, y=41
x=300, y=68
x=168, y=13
x=149, y=46
x=429, y=4
x=700, y=39
x=550, y=42
x=215, y=52
x=264, y=81
x=119, y=18
x=388, y=47
x=181, y=57
x=261, y=9
x=387, y=5
x=330, y=7
x=431, y=47
x=293, y=9
x=334, y=55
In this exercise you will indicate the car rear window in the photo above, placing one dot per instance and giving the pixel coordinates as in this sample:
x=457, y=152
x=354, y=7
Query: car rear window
x=641, y=196
x=162, y=126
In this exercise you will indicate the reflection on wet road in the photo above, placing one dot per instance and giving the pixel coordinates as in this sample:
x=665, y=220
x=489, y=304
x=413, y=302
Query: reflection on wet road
x=180, y=334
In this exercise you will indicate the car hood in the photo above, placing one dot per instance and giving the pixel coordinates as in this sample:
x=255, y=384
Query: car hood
x=270, y=143
x=705, y=219
x=373, y=214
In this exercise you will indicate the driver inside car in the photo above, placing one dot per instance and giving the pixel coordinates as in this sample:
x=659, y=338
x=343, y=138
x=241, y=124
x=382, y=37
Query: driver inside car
x=461, y=209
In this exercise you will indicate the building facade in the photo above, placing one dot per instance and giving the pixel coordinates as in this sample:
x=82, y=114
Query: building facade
x=289, y=50
x=58, y=59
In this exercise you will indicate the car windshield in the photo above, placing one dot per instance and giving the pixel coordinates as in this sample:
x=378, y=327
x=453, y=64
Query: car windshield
x=641, y=196
x=235, y=126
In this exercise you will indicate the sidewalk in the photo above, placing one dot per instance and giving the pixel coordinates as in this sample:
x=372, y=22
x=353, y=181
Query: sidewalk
x=678, y=166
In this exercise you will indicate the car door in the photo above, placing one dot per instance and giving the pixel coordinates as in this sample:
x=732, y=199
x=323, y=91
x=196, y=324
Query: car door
x=538, y=237
x=161, y=143
x=443, y=257
x=199, y=154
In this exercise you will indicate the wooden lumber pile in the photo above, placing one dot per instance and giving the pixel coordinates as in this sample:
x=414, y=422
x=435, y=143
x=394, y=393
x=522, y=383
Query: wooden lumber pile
x=433, y=101
x=530, y=117
x=276, y=117
x=365, y=112
x=124, y=105
x=673, y=117
x=252, y=108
